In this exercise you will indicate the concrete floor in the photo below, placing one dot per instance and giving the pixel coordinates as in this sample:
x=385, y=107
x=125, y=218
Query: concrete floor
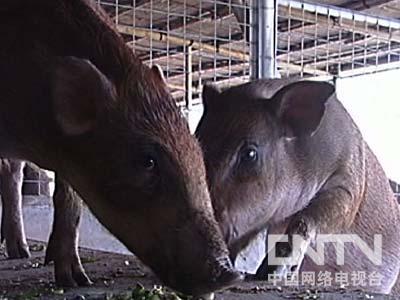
x=116, y=275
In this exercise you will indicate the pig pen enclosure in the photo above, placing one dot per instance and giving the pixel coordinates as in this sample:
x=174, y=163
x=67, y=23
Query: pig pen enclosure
x=226, y=42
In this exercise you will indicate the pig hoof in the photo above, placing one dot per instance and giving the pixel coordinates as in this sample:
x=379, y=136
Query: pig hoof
x=210, y=296
x=82, y=279
x=66, y=282
x=68, y=269
x=71, y=278
x=17, y=249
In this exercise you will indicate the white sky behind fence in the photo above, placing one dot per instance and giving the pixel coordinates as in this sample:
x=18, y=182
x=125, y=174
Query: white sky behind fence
x=374, y=103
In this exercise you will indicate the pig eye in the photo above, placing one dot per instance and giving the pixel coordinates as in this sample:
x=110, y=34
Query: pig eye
x=249, y=154
x=149, y=163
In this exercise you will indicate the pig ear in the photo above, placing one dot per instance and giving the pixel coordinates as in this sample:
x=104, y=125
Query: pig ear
x=210, y=94
x=300, y=106
x=80, y=92
x=158, y=73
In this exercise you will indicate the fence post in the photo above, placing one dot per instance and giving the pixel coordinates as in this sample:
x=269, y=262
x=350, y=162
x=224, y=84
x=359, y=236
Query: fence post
x=263, y=38
x=188, y=78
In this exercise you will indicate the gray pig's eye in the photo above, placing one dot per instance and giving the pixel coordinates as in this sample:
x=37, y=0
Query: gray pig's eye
x=249, y=154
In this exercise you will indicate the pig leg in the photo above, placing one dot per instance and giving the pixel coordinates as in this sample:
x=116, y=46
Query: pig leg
x=284, y=249
x=12, y=225
x=332, y=210
x=63, y=242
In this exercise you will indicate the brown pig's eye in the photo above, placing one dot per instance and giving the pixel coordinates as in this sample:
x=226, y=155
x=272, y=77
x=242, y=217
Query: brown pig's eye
x=149, y=163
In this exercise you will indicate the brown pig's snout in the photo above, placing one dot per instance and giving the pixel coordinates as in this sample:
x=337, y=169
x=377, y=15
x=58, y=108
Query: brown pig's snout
x=194, y=259
x=208, y=276
x=203, y=264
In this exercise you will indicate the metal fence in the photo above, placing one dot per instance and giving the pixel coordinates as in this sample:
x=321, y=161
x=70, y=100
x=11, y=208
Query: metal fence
x=396, y=189
x=322, y=40
x=198, y=40
x=37, y=182
x=192, y=40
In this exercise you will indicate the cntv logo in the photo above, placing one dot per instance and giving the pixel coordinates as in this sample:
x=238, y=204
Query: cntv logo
x=317, y=255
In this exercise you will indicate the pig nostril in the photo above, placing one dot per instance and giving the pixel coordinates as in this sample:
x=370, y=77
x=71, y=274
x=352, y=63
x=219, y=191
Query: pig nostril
x=225, y=261
x=223, y=273
x=218, y=267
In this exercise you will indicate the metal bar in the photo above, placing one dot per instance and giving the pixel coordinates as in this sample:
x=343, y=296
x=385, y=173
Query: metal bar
x=369, y=70
x=355, y=25
x=263, y=38
x=188, y=78
x=345, y=14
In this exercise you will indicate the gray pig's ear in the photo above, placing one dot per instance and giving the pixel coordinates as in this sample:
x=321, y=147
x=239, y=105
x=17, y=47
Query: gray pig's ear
x=210, y=93
x=80, y=92
x=300, y=106
x=158, y=73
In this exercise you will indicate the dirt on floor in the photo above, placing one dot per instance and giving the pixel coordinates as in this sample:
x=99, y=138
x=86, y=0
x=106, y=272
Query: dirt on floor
x=123, y=277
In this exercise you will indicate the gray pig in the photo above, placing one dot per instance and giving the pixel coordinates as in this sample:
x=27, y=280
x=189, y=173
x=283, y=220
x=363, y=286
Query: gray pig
x=287, y=156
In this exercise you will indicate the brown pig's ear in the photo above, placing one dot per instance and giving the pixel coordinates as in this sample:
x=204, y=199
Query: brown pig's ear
x=80, y=92
x=210, y=94
x=300, y=106
x=158, y=73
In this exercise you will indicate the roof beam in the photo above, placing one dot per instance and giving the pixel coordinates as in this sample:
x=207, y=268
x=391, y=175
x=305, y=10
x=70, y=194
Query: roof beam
x=141, y=32
x=339, y=23
x=366, y=4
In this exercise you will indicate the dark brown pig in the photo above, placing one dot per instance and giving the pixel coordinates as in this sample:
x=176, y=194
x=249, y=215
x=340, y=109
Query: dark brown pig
x=62, y=248
x=11, y=189
x=75, y=99
x=12, y=224
x=287, y=156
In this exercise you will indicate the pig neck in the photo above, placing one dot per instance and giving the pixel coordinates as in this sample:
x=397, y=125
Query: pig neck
x=317, y=159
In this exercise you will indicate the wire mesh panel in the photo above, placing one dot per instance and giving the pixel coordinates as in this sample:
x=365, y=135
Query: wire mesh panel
x=317, y=40
x=396, y=189
x=37, y=182
x=192, y=40
x=200, y=40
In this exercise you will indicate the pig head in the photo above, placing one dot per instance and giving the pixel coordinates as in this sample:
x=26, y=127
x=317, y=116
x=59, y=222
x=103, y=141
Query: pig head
x=286, y=155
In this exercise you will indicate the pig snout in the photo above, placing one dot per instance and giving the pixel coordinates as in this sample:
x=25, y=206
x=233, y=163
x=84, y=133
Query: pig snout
x=201, y=267
x=198, y=262
x=217, y=274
